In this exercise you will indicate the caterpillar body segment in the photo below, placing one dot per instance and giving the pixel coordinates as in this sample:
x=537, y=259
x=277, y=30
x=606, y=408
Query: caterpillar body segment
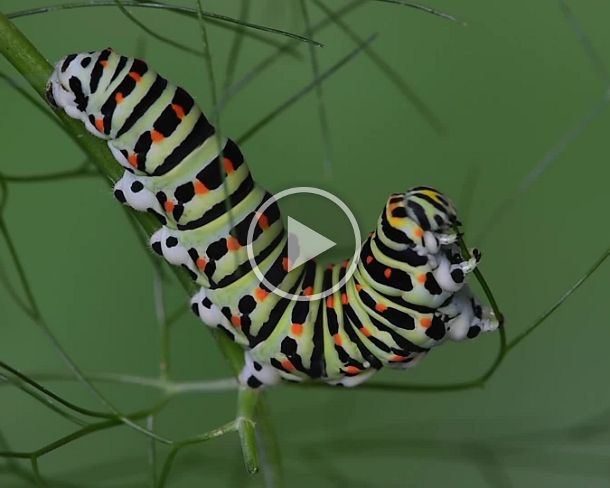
x=406, y=296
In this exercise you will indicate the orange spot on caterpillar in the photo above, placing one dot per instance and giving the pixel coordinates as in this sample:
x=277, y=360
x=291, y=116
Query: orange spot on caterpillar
x=156, y=136
x=229, y=166
x=397, y=358
x=169, y=206
x=380, y=307
x=365, y=331
x=352, y=370
x=99, y=124
x=118, y=97
x=285, y=264
x=344, y=299
x=178, y=110
x=338, y=339
x=135, y=76
x=201, y=263
x=308, y=291
x=330, y=302
x=425, y=322
x=419, y=233
x=421, y=278
x=287, y=364
x=233, y=244
x=236, y=320
x=200, y=188
x=345, y=263
x=358, y=287
x=133, y=159
x=297, y=329
x=387, y=273
x=369, y=259
x=261, y=294
x=104, y=62
x=263, y=221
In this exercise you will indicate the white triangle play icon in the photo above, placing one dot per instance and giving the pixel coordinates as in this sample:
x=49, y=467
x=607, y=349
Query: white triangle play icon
x=304, y=244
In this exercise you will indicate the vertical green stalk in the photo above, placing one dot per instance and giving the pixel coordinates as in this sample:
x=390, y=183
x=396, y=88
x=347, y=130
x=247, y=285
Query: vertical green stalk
x=164, y=332
x=271, y=458
x=247, y=400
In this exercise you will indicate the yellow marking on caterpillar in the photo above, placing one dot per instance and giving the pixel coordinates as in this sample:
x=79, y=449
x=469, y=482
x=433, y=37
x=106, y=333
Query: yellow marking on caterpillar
x=431, y=194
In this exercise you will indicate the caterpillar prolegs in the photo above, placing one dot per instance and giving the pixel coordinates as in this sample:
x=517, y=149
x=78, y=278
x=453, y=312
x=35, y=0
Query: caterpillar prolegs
x=406, y=296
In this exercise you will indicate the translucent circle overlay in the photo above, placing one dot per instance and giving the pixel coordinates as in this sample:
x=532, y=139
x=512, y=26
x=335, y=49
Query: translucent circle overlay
x=353, y=262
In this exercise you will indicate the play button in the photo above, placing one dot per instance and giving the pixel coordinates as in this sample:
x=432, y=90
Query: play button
x=304, y=244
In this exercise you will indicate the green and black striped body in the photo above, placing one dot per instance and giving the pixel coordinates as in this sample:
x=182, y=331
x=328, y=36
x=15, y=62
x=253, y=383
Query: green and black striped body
x=406, y=296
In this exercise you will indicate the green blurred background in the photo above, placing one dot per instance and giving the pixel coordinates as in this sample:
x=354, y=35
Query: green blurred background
x=507, y=87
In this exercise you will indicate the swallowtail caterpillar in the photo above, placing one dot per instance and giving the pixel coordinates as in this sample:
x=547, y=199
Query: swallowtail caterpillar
x=408, y=292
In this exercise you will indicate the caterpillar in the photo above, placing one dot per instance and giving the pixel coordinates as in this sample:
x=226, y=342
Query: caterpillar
x=407, y=293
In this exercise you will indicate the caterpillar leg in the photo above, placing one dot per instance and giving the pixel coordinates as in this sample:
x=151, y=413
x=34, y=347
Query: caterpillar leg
x=129, y=190
x=256, y=374
x=165, y=243
x=203, y=307
x=211, y=315
x=452, y=269
x=468, y=318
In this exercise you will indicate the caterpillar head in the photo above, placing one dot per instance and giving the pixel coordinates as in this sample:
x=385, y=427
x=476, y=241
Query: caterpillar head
x=75, y=82
x=67, y=88
x=430, y=209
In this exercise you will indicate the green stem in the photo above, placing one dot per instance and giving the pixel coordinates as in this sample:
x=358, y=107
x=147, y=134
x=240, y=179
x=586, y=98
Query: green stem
x=247, y=400
x=50, y=404
x=271, y=457
x=23, y=378
x=152, y=451
x=164, y=333
x=167, y=387
x=171, y=457
x=59, y=176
